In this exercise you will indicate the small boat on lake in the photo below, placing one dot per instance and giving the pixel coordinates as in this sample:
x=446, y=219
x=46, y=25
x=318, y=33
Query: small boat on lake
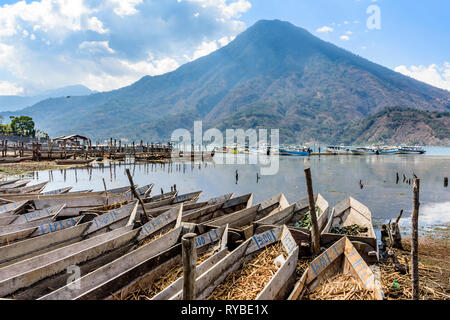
x=411, y=150
x=363, y=151
x=295, y=151
x=338, y=150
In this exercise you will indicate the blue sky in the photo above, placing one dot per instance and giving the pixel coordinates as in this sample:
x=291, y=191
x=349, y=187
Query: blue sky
x=108, y=44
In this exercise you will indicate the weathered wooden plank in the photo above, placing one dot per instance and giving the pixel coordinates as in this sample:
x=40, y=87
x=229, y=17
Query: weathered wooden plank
x=10, y=208
x=111, y=273
x=25, y=273
x=34, y=215
x=57, y=191
x=44, y=227
x=23, y=249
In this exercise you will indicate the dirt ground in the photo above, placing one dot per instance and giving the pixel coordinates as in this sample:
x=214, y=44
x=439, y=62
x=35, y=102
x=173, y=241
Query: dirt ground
x=25, y=167
x=434, y=271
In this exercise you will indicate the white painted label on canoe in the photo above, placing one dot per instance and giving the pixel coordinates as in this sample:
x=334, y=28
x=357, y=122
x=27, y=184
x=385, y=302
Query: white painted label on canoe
x=264, y=239
x=362, y=270
x=159, y=222
x=326, y=258
x=38, y=214
x=288, y=242
x=207, y=238
x=108, y=218
x=56, y=226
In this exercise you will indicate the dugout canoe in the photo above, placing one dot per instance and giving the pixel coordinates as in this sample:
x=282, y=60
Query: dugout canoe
x=294, y=213
x=347, y=213
x=37, y=188
x=25, y=218
x=18, y=184
x=138, y=268
x=58, y=191
x=217, y=210
x=341, y=258
x=110, y=220
x=12, y=208
x=73, y=161
x=280, y=283
x=27, y=272
x=36, y=228
x=4, y=183
x=241, y=223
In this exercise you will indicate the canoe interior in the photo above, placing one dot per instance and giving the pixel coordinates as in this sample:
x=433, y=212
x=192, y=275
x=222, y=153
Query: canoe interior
x=341, y=258
x=206, y=283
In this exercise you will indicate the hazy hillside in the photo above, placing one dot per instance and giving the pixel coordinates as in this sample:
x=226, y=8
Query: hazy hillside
x=274, y=75
x=399, y=126
x=13, y=103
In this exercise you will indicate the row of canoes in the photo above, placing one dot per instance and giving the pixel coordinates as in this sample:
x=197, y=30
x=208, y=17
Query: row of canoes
x=118, y=249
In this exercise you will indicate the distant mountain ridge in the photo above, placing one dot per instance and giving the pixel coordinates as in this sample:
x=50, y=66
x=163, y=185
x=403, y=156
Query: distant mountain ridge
x=273, y=75
x=14, y=103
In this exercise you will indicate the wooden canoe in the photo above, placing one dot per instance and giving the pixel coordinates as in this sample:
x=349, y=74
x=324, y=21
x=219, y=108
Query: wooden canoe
x=75, y=194
x=241, y=223
x=18, y=184
x=110, y=220
x=279, y=285
x=294, y=213
x=37, y=188
x=127, y=273
x=4, y=183
x=142, y=191
x=40, y=228
x=114, y=241
x=217, y=210
x=346, y=213
x=27, y=272
x=160, y=197
x=341, y=258
x=12, y=208
x=82, y=201
x=193, y=196
x=31, y=216
x=57, y=191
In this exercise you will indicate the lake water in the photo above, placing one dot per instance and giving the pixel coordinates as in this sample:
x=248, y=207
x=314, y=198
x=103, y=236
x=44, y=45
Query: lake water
x=335, y=177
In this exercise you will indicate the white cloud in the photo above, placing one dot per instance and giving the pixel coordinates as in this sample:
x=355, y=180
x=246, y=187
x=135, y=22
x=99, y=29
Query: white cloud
x=325, y=29
x=105, y=44
x=438, y=76
x=125, y=7
x=96, y=47
x=206, y=47
x=231, y=10
x=344, y=37
x=9, y=89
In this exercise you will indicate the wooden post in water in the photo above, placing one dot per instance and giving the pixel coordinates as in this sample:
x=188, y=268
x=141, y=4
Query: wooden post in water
x=445, y=182
x=133, y=190
x=189, y=253
x=315, y=235
x=415, y=241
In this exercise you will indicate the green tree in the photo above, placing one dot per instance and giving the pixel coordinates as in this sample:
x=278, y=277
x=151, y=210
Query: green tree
x=22, y=125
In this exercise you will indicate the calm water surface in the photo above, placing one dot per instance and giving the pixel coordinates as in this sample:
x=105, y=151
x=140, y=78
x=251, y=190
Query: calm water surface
x=335, y=177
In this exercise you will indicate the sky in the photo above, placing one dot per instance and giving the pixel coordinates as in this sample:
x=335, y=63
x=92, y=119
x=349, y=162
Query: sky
x=109, y=44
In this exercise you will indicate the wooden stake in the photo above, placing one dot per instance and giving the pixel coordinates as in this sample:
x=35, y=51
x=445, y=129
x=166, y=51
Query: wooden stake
x=133, y=190
x=315, y=236
x=189, y=253
x=415, y=241
x=106, y=190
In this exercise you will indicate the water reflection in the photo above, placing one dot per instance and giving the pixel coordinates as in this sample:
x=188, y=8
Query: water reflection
x=335, y=177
